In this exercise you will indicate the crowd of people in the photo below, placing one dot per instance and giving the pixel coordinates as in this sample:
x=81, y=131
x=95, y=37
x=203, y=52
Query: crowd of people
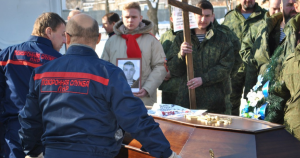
x=78, y=105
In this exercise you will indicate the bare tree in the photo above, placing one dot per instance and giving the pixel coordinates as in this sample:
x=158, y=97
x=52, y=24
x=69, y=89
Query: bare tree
x=106, y=6
x=228, y=4
x=152, y=14
x=170, y=14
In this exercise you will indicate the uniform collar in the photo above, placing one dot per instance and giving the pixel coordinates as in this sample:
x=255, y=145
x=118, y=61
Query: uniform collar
x=79, y=49
x=40, y=40
x=209, y=31
x=273, y=21
x=110, y=34
x=294, y=23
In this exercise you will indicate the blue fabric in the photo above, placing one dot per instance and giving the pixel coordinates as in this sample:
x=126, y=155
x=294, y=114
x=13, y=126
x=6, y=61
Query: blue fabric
x=58, y=153
x=246, y=15
x=14, y=78
x=82, y=113
x=13, y=147
x=16, y=65
x=282, y=34
x=2, y=140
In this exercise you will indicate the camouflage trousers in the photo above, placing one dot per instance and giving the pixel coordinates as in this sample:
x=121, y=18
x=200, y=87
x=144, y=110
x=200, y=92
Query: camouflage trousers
x=168, y=97
x=228, y=105
x=237, y=83
x=292, y=122
x=250, y=79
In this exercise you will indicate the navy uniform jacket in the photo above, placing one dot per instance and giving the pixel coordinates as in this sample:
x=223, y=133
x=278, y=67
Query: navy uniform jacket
x=81, y=103
x=16, y=65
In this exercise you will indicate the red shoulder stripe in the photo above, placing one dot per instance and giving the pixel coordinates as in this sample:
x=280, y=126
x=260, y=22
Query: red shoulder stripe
x=19, y=62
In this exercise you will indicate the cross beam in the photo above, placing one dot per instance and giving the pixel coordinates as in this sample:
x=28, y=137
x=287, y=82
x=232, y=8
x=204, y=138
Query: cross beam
x=185, y=7
x=187, y=38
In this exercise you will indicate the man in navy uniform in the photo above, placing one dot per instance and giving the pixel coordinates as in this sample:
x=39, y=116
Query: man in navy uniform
x=16, y=65
x=78, y=104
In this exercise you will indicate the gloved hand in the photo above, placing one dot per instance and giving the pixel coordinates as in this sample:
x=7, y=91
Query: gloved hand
x=40, y=156
x=174, y=155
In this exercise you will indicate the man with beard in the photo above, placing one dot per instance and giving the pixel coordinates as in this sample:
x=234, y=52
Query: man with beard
x=260, y=43
x=213, y=59
x=290, y=76
x=271, y=34
x=239, y=21
x=248, y=40
x=277, y=95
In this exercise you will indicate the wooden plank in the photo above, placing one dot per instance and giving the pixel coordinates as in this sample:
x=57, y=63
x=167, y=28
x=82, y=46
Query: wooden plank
x=190, y=140
x=238, y=124
x=185, y=6
x=225, y=144
x=277, y=144
x=176, y=135
x=189, y=57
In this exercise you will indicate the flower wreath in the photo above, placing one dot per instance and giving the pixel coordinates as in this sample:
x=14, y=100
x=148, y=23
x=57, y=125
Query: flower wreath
x=263, y=102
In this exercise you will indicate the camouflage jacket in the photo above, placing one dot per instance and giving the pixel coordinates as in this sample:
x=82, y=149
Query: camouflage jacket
x=291, y=30
x=166, y=40
x=275, y=73
x=262, y=38
x=213, y=60
x=291, y=75
x=236, y=46
x=288, y=44
x=264, y=41
x=239, y=25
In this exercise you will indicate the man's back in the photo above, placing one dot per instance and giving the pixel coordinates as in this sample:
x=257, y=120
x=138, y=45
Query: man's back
x=17, y=63
x=239, y=21
x=85, y=113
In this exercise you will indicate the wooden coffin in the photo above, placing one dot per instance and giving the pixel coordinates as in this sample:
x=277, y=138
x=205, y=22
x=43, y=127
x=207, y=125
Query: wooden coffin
x=242, y=138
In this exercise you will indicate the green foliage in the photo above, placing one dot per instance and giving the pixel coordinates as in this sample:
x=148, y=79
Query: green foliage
x=274, y=111
x=276, y=103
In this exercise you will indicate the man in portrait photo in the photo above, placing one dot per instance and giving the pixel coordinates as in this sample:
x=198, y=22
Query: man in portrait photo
x=129, y=71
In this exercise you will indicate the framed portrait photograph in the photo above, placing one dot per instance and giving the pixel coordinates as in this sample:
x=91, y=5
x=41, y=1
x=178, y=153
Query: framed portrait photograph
x=132, y=68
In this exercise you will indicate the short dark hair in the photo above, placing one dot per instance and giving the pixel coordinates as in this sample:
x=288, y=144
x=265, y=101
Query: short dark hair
x=204, y=4
x=128, y=63
x=112, y=17
x=45, y=20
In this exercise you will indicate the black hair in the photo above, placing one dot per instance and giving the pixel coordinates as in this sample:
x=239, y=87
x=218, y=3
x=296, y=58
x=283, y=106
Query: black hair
x=112, y=17
x=204, y=4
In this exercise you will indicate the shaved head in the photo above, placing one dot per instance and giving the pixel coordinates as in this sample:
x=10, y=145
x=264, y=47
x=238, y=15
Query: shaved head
x=274, y=6
x=72, y=13
x=83, y=29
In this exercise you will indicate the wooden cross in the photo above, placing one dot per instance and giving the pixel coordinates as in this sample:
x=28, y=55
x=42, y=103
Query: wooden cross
x=187, y=38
